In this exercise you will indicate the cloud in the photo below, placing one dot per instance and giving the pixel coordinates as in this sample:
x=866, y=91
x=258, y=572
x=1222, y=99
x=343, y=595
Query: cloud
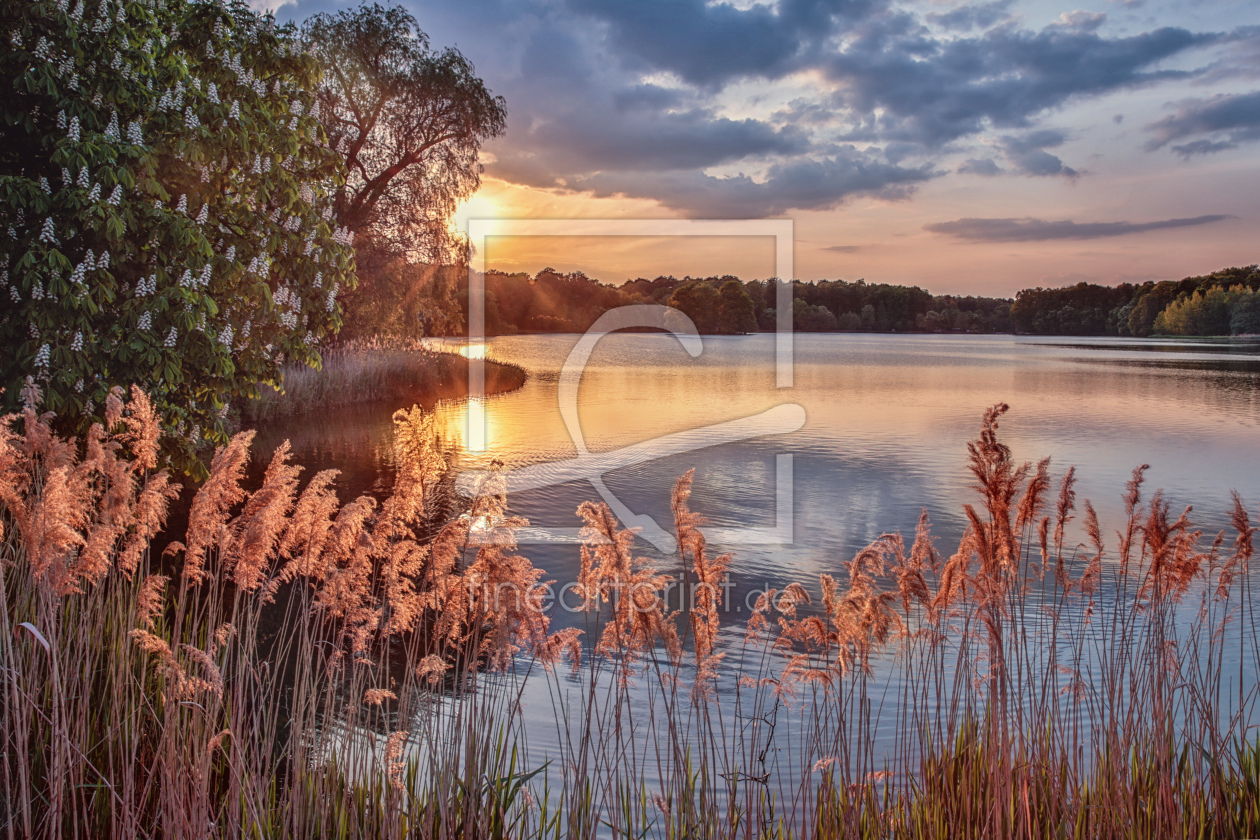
x=980, y=166
x=709, y=44
x=807, y=183
x=819, y=99
x=843, y=249
x=661, y=141
x=647, y=98
x=1240, y=56
x=933, y=91
x=1228, y=119
x=964, y=18
x=1039, y=230
x=1029, y=156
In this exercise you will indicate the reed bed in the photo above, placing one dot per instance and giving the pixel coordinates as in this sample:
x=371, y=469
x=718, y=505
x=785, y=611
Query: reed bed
x=300, y=667
x=375, y=370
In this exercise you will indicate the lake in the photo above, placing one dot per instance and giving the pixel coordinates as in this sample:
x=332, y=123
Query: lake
x=880, y=434
x=886, y=423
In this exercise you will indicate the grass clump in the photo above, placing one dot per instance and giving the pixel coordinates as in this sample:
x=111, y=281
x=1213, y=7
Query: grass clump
x=375, y=370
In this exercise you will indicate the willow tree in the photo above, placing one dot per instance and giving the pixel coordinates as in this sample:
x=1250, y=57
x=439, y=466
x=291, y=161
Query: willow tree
x=168, y=197
x=410, y=121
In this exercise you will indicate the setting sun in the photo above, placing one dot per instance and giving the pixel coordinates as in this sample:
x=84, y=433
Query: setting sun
x=479, y=206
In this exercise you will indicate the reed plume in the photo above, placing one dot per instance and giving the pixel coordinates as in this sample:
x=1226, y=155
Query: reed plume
x=320, y=668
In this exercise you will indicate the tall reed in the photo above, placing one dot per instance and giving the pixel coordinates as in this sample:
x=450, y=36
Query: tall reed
x=299, y=667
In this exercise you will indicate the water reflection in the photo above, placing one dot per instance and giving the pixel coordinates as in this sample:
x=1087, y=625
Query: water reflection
x=887, y=419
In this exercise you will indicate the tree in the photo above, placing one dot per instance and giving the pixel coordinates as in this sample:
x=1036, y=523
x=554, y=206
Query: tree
x=849, y=322
x=410, y=122
x=699, y=302
x=1202, y=313
x=1244, y=316
x=168, y=202
x=735, y=309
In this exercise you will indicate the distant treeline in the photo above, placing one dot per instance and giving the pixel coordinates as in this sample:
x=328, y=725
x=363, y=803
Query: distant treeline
x=434, y=301
x=554, y=302
x=1225, y=302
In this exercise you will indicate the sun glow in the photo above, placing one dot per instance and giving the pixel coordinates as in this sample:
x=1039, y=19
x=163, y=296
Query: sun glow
x=478, y=206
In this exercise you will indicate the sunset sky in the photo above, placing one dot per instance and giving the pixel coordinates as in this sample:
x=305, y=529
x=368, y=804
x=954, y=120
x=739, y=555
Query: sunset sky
x=964, y=147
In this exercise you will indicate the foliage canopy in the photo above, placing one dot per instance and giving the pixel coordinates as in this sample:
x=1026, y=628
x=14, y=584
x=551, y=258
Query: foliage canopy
x=167, y=192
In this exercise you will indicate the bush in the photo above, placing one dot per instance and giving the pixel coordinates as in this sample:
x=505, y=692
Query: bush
x=167, y=195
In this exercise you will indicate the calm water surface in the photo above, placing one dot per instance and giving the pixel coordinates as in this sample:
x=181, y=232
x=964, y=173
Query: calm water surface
x=887, y=420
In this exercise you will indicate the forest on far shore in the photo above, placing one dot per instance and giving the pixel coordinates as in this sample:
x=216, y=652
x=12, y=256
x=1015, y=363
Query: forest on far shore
x=433, y=301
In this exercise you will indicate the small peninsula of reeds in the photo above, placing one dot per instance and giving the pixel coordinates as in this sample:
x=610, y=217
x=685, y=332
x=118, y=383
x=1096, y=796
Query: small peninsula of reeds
x=376, y=370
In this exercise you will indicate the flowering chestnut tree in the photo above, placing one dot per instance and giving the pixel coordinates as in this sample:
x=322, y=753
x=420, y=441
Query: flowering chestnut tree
x=165, y=188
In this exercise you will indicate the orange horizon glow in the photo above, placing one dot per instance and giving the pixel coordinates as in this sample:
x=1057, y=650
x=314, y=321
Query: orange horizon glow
x=876, y=240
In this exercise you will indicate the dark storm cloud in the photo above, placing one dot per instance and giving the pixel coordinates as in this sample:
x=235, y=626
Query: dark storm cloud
x=1227, y=119
x=1039, y=230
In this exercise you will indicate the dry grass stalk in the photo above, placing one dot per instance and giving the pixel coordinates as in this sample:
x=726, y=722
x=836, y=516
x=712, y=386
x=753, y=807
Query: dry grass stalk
x=157, y=710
